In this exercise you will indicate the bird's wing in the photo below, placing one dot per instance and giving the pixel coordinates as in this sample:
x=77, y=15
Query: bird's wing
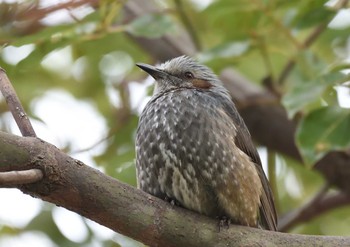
x=268, y=216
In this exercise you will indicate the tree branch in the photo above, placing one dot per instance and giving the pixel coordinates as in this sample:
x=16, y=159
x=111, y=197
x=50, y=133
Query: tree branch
x=71, y=184
x=12, y=178
x=25, y=18
x=35, y=12
x=299, y=214
x=15, y=105
x=311, y=210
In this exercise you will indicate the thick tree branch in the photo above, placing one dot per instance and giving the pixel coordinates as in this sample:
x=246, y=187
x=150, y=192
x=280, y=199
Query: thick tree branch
x=71, y=184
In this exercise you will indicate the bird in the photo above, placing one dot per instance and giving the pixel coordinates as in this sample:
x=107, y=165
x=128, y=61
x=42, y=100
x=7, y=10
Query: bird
x=194, y=149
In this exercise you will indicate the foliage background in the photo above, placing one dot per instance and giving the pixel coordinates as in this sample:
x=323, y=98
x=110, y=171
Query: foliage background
x=72, y=65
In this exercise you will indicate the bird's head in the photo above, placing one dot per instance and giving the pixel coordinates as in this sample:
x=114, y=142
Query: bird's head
x=182, y=72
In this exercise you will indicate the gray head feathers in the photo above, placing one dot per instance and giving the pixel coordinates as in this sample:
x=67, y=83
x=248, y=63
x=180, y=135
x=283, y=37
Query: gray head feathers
x=179, y=65
x=183, y=72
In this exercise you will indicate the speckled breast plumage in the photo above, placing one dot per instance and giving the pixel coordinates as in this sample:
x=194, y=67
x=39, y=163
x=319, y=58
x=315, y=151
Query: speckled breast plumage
x=185, y=151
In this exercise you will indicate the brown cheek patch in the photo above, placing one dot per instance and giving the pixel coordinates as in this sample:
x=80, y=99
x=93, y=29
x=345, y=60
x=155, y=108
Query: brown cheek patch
x=199, y=83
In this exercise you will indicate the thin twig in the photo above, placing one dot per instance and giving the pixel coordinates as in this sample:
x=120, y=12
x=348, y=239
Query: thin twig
x=123, y=114
x=15, y=105
x=285, y=71
x=318, y=205
x=20, y=177
x=83, y=150
x=188, y=24
x=38, y=13
x=315, y=34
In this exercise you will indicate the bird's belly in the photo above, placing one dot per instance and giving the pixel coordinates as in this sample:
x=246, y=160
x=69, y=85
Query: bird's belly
x=180, y=181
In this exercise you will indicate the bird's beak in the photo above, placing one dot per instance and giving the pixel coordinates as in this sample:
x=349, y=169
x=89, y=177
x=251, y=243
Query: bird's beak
x=152, y=71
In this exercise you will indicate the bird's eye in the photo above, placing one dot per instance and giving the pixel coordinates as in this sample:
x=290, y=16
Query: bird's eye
x=189, y=75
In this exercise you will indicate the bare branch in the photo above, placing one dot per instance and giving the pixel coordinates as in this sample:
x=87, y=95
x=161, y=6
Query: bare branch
x=313, y=209
x=20, y=177
x=15, y=105
x=36, y=13
x=295, y=216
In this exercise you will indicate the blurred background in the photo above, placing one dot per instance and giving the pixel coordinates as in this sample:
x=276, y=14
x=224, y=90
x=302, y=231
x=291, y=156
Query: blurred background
x=286, y=64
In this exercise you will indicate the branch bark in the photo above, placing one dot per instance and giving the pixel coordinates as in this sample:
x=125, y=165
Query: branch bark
x=13, y=178
x=15, y=105
x=71, y=184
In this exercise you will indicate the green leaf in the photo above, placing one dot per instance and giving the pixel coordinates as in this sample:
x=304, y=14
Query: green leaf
x=332, y=41
x=151, y=26
x=323, y=130
x=55, y=34
x=340, y=66
x=233, y=20
x=44, y=222
x=309, y=93
x=226, y=50
x=311, y=13
x=310, y=82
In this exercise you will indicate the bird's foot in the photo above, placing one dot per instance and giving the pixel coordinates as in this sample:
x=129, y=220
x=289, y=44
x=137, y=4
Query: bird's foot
x=224, y=222
x=172, y=201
